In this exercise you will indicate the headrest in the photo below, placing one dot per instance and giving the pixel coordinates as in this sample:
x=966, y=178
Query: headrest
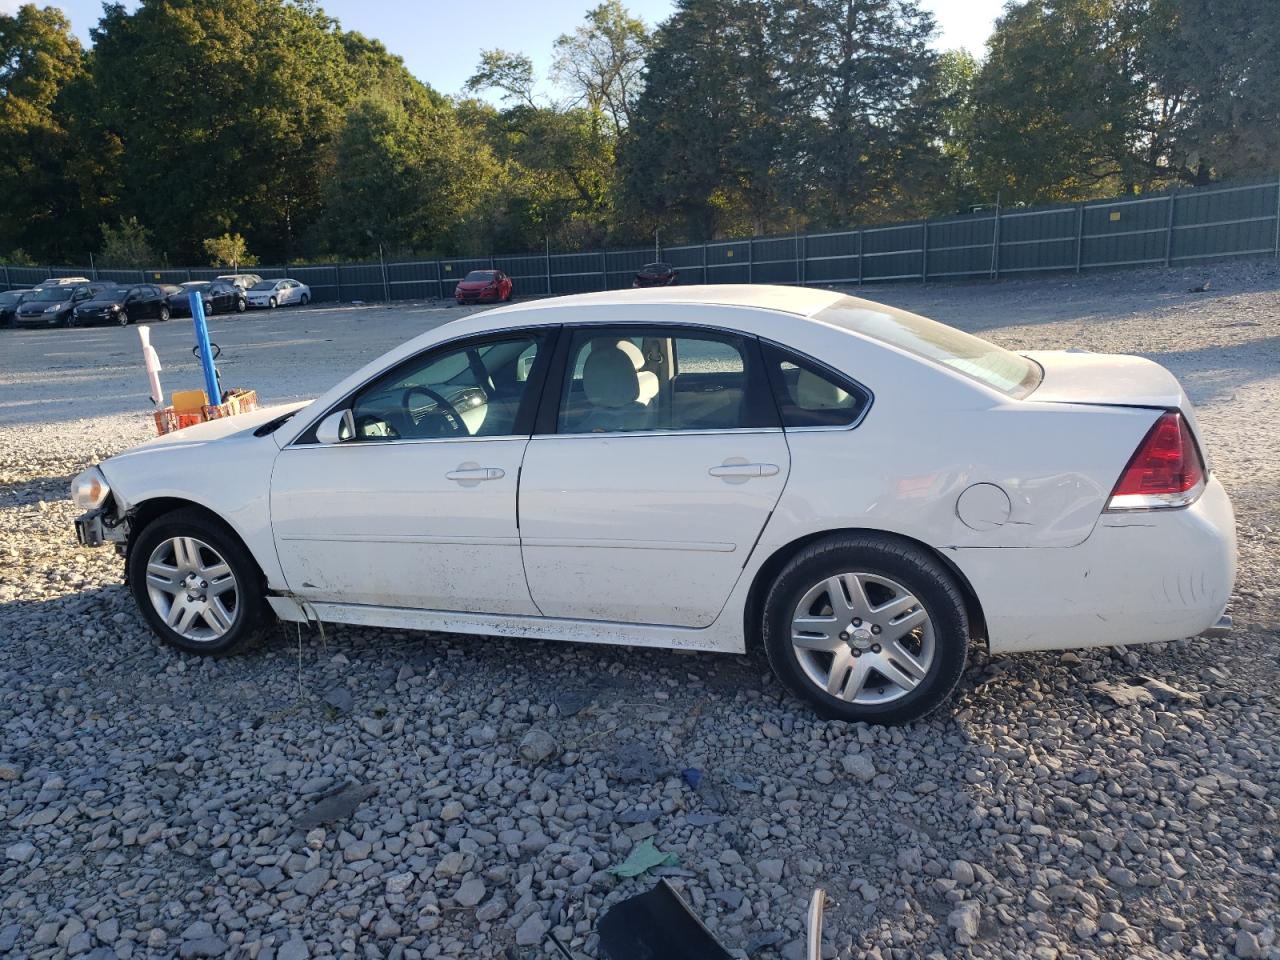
x=817, y=393
x=610, y=377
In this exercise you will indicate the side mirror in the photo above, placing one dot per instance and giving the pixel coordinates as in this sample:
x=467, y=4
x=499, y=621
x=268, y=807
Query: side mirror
x=336, y=427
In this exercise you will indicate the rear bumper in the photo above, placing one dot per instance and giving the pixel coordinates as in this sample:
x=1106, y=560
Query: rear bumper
x=1140, y=577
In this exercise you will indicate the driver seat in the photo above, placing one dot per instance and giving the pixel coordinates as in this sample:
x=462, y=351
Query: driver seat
x=619, y=393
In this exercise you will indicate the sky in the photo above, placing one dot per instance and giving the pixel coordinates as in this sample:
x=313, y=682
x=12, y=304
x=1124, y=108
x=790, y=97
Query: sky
x=441, y=40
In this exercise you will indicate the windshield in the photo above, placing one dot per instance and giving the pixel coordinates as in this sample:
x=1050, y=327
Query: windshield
x=54, y=294
x=110, y=293
x=1001, y=369
x=479, y=275
x=194, y=284
x=656, y=268
x=264, y=285
x=7, y=297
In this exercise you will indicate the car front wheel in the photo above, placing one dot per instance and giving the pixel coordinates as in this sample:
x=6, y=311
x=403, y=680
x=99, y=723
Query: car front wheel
x=304, y=300
x=241, y=305
x=164, y=314
x=195, y=584
x=867, y=628
x=123, y=318
x=272, y=303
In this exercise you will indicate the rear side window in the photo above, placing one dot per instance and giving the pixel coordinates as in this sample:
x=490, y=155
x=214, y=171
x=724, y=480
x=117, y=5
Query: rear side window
x=811, y=395
x=632, y=379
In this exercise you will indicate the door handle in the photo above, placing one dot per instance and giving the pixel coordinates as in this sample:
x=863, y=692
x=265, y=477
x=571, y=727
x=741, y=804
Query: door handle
x=740, y=472
x=470, y=474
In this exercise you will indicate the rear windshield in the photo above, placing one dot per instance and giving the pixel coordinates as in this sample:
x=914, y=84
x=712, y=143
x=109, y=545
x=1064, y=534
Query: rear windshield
x=1001, y=369
x=264, y=285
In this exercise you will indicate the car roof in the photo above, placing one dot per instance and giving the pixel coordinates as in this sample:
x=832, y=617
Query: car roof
x=801, y=301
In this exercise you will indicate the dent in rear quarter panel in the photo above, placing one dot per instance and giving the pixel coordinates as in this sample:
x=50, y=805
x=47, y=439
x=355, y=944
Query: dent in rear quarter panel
x=904, y=469
x=1142, y=577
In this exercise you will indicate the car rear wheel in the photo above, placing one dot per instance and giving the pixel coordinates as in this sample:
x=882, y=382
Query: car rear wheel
x=304, y=300
x=867, y=628
x=241, y=305
x=195, y=584
x=164, y=314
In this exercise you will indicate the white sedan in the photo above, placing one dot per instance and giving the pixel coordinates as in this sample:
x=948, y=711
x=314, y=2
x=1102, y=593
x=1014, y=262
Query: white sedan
x=861, y=490
x=278, y=293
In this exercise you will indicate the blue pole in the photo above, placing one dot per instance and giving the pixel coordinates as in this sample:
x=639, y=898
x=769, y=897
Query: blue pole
x=206, y=351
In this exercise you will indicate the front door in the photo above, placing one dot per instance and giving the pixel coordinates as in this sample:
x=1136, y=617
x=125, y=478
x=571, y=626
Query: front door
x=416, y=505
x=664, y=465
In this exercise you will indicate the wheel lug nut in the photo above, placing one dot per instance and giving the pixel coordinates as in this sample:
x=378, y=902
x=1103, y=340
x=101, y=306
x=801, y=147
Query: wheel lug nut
x=857, y=622
x=875, y=629
x=844, y=636
x=875, y=648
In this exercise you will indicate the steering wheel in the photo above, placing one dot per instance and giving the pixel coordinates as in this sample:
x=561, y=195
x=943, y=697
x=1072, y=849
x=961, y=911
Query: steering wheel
x=445, y=410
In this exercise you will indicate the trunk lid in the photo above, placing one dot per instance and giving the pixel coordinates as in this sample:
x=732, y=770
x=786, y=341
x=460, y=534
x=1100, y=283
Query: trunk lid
x=1112, y=380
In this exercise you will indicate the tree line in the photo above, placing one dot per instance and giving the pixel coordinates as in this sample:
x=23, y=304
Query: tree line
x=192, y=129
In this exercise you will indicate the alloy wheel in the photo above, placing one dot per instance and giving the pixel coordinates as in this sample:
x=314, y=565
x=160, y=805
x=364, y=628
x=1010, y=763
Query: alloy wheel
x=863, y=638
x=192, y=588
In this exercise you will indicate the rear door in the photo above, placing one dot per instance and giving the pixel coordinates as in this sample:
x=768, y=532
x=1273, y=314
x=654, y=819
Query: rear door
x=657, y=463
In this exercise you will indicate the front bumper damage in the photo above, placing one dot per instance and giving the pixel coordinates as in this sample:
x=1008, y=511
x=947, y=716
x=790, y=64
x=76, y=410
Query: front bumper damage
x=101, y=526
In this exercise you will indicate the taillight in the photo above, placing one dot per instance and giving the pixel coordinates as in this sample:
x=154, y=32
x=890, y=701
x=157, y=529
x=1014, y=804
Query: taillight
x=1166, y=470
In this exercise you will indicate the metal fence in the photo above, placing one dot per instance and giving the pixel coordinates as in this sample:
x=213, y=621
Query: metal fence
x=1179, y=226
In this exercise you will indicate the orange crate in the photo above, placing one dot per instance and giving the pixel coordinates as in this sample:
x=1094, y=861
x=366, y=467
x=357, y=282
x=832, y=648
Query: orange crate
x=238, y=401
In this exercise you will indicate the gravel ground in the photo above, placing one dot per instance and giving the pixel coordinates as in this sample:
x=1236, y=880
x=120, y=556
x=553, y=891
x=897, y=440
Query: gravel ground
x=1106, y=803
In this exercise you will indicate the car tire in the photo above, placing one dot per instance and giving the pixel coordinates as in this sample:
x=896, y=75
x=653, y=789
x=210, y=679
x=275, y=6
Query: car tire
x=900, y=587
x=241, y=305
x=242, y=615
x=303, y=300
x=272, y=303
x=71, y=321
x=164, y=314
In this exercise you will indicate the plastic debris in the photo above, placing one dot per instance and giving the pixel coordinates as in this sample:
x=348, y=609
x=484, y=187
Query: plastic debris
x=692, y=776
x=644, y=856
x=657, y=924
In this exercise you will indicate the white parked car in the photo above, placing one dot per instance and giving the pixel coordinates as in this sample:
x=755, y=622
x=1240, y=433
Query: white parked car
x=242, y=280
x=60, y=282
x=278, y=293
x=858, y=488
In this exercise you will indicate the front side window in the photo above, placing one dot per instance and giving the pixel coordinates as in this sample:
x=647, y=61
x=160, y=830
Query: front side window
x=639, y=380
x=473, y=390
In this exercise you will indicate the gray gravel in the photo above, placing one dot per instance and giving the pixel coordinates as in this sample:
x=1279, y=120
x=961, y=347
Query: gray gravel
x=374, y=793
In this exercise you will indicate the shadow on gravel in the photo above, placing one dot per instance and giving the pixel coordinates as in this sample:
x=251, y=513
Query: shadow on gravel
x=1214, y=373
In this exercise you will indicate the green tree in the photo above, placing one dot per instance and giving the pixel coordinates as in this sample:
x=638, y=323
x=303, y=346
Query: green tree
x=700, y=152
x=509, y=73
x=955, y=79
x=127, y=244
x=227, y=114
x=602, y=61
x=1223, y=54
x=39, y=59
x=407, y=177
x=229, y=250
x=1080, y=98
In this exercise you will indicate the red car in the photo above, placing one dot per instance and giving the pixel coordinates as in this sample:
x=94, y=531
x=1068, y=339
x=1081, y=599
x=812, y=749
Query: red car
x=478, y=285
x=656, y=275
